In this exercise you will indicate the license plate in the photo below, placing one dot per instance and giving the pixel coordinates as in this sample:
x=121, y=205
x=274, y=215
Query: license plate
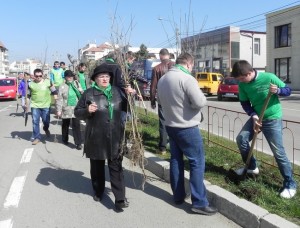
x=1, y=95
x=230, y=94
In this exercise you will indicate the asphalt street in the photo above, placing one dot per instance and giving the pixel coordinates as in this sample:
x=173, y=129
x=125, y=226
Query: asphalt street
x=48, y=185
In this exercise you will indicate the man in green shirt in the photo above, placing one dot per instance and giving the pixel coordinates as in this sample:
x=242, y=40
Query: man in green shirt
x=253, y=90
x=81, y=76
x=40, y=92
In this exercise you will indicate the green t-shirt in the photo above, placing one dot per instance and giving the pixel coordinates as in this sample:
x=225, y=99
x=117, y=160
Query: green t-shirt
x=82, y=80
x=256, y=92
x=40, y=94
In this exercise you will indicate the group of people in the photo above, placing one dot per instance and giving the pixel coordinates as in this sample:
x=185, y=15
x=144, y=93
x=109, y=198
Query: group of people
x=103, y=103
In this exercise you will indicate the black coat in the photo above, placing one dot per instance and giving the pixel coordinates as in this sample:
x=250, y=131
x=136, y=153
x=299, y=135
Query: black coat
x=103, y=136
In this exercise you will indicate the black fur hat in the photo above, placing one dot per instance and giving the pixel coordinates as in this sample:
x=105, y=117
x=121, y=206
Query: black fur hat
x=103, y=68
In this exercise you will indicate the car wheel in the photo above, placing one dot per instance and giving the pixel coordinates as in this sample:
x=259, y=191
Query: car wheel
x=220, y=97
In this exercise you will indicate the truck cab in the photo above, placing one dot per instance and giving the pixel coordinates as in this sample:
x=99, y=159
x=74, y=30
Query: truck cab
x=209, y=82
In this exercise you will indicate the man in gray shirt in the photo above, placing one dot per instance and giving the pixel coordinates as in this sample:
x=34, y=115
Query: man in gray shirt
x=182, y=101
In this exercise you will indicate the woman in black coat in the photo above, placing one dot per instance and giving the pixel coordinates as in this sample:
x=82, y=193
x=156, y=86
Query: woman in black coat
x=101, y=106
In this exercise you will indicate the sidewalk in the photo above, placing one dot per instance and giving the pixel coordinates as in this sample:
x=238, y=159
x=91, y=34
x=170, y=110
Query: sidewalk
x=241, y=211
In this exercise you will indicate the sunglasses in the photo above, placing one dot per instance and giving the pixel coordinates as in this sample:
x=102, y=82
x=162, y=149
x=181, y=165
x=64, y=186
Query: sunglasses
x=38, y=76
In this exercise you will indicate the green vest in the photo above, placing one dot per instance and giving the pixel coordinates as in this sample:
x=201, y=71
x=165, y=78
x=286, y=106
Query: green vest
x=40, y=94
x=57, y=76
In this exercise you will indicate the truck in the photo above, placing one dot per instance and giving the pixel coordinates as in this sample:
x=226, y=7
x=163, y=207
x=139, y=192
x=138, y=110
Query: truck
x=209, y=82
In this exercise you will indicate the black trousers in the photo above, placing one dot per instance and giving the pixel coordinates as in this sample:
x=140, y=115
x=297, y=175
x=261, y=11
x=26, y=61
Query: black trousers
x=75, y=128
x=116, y=177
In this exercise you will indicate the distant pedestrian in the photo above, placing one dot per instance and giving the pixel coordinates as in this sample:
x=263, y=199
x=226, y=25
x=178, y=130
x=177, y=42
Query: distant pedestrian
x=253, y=90
x=181, y=101
x=81, y=76
x=40, y=93
x=101, y=106
x=56, y=75
x=63, y=66
x=68, y=95
x=22, y=90
x=157, y=73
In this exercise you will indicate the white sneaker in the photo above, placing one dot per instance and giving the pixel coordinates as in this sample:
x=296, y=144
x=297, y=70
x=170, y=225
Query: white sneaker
x=288, y=193
x=240, y=171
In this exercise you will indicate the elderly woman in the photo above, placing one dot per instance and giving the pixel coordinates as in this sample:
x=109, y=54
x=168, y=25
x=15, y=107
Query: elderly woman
x=101, y=107
x=68, y=96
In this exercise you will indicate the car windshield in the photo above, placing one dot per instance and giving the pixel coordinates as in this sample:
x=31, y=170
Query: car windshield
x=7, y=82
x=230, y=81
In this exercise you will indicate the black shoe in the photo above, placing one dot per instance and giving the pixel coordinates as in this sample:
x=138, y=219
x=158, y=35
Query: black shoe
x=97, y=198
x=65, y=142
x=208, y=210
x=78, y=147
x=120, y=204
x=47, y=133
x=187, y=196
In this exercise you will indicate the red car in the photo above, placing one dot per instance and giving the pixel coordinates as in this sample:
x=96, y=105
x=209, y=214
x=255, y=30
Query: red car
x=8, y=88
x=228, y=88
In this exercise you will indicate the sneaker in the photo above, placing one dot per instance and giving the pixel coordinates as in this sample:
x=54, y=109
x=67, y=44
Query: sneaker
x=240, y=171
x=179, y=202
x=36, y=141
x=78, y=147
x=288, y=193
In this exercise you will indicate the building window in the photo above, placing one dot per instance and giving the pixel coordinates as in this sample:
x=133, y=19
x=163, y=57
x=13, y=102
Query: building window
x=283, y=69
x=257, y=46
x=283, y=36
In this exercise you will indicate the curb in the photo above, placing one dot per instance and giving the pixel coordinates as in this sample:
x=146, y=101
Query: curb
x=240, y=211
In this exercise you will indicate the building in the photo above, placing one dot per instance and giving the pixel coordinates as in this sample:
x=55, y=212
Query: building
x=283, y=47
x=218, y=50
x=4, y=62
x=93, y=52
x=29, y=65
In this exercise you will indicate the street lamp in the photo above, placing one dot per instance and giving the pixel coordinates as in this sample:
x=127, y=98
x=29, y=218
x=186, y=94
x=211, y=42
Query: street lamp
x=176, y=30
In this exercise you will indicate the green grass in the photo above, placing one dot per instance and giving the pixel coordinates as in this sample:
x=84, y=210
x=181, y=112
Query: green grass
x=262, y=191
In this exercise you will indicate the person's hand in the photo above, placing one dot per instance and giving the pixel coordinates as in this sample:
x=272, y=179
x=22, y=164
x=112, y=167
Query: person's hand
x=256, y=124
x=92, y=107
x=58, y=114
x=129, y=90
x=273, y=89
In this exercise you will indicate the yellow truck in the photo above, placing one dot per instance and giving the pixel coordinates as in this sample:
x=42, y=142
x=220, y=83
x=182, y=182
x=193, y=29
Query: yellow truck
x=208, y=82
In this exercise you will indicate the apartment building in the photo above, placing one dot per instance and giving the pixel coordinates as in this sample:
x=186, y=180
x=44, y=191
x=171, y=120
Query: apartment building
x=28, y=65
x=283, y=45
x=93, y=52
x=4, y=62
x=218, y=50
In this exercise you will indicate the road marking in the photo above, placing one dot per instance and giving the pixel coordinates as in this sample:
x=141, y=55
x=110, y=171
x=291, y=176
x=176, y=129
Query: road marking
x=26, y=155
x=13, y=197
x=6, y=223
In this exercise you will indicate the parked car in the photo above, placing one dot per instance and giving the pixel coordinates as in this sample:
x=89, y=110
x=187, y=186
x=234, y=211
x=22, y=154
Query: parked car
x=8, y=87
x=209, y=82
x=228, y=88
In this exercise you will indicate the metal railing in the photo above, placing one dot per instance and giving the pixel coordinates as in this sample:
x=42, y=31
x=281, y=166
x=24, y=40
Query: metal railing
x=226, y=124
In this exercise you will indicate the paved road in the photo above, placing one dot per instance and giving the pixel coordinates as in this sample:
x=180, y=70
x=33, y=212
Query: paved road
x=48, y=185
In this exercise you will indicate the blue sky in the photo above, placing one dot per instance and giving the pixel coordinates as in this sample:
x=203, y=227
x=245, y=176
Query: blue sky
x=35, y=29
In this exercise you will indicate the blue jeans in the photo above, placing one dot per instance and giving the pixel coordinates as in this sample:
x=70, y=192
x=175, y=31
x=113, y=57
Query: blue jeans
x=163, y=136
x=272, y=130
x=187, y=142
x=38, y=113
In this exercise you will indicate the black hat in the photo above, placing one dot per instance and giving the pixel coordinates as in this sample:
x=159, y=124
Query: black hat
x=103, y=68
x=69, y=73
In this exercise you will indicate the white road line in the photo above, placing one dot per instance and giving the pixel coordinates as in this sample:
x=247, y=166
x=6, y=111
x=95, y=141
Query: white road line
x=13, y=197
x=26, y=155
x=6, y=223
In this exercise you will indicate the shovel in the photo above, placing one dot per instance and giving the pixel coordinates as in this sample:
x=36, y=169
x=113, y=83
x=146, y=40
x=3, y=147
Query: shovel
x=232, y=175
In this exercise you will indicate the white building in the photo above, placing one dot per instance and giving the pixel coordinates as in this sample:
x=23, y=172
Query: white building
x=219, y=49
x=29, y=65
x=283, y=49
x=93, y=52
x=4, y=62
